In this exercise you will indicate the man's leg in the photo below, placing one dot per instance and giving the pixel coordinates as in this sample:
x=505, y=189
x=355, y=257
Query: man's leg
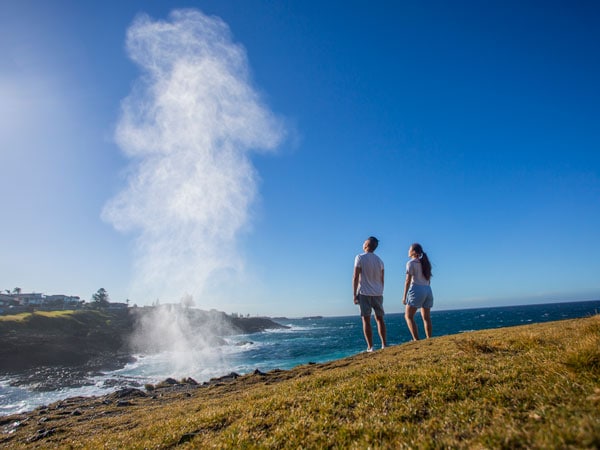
x=381, y=330
x=368, y=330
x=409, y=315
x=426, y=314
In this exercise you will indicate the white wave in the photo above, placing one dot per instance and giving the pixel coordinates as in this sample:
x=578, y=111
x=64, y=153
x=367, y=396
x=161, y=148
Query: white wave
x=292, y=329
x=17, y=399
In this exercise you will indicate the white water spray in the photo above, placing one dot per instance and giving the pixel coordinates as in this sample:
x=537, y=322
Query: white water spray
x=188, y=127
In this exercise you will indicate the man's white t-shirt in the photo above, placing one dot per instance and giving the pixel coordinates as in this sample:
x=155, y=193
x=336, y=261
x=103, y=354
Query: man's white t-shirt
x=371, y=267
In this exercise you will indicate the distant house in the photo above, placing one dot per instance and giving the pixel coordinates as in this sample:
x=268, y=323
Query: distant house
x=32, y=299
x=117, y=306
x=64, y=299
x=8, y=300
x=17, y=302
x=9, y=304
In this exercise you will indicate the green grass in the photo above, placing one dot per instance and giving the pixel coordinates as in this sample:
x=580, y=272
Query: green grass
x=536, y=386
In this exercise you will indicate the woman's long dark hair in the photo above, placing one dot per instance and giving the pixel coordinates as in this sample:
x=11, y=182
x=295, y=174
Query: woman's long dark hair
x=425, y=263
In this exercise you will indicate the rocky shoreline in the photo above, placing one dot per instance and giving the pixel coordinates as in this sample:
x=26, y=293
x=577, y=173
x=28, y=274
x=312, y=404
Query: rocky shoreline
x=53, y=378
x=47, y=353
x=42, y=419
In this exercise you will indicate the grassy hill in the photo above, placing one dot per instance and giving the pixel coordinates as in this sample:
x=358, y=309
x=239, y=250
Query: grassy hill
x=61, y=337
x=535, y=386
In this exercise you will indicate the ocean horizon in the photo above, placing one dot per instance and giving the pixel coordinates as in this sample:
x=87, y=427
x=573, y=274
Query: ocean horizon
x=306, y=340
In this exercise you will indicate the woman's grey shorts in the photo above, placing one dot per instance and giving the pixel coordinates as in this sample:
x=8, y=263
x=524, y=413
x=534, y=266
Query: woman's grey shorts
x=420, y=296
x=371, y=302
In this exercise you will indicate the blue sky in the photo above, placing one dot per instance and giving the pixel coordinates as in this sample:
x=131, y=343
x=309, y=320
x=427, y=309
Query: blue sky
x=470, y=127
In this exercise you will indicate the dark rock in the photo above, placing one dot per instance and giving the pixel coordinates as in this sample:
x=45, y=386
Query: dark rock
x=45, y=379
x=186, y=438
x=115, y=382
x=247, y=325
x=126, y=393
x=108, y=361
x=169, y=382
x=41, y=434
x=229, y=377
x=12, y=426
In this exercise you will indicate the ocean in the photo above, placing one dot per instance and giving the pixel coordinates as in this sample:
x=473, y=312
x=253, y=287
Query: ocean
x=306, y=340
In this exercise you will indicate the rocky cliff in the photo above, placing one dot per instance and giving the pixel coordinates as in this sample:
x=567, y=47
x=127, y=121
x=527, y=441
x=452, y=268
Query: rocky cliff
x=100, y=339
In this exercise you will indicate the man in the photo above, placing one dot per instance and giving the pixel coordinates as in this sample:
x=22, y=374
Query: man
x=367, y=288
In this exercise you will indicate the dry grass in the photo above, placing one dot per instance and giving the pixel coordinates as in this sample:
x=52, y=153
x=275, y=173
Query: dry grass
x=536, y=386
x=24, y=317
x=34, y=321
x=39, y=321
x=15, y=317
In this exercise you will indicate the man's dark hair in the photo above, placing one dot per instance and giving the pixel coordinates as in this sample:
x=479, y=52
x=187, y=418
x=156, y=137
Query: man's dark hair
x=373, y=243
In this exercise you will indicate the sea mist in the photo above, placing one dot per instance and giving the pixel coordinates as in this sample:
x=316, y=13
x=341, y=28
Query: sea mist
x=188, y=127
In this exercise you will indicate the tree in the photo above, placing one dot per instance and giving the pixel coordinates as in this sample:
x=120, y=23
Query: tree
x=187, y=301
x=17, y=290
x=100, y=298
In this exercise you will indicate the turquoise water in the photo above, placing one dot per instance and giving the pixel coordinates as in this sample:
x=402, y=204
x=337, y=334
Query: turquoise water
x=306, y=340
x=326, y=339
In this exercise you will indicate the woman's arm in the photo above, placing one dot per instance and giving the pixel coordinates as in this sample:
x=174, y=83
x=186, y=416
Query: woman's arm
x=406, y=286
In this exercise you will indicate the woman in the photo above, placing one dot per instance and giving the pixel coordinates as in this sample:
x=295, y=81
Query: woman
x=417, y=290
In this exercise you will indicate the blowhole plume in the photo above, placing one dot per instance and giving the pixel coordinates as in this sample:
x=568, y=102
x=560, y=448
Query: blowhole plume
x=188, y=126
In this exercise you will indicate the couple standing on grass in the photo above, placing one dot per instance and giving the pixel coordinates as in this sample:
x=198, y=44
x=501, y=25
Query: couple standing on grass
x=367, y=287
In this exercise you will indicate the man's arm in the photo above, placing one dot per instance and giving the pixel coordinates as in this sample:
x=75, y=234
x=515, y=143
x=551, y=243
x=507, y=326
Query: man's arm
x=355, y=279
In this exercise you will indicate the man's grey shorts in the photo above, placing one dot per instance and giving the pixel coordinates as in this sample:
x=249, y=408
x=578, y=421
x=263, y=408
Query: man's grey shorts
x=419, y=296
x=371, y=302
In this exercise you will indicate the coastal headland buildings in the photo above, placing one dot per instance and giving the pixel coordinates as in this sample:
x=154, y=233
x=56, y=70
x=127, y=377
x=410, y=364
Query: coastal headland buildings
x=18, y=302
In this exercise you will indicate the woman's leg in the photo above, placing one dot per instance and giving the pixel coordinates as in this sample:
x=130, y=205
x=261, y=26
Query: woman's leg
x=409, y=315
x=426, y=314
